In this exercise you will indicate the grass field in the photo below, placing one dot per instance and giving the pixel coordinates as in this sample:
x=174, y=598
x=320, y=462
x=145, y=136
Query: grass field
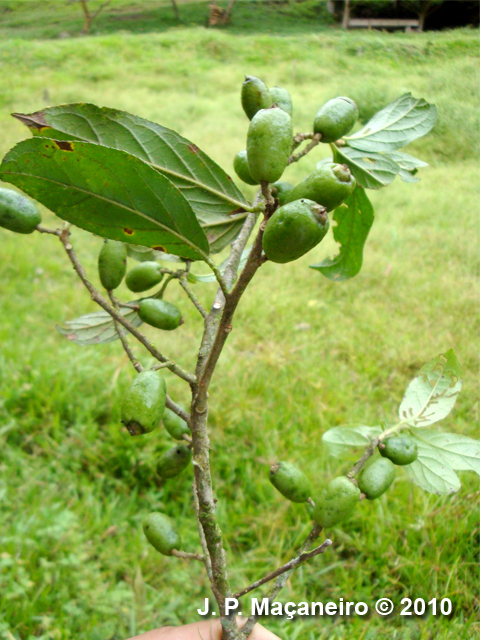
x=305, y=354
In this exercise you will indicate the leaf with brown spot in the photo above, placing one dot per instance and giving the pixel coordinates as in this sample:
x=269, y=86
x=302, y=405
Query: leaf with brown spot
x=217, y=202
x=107, y=192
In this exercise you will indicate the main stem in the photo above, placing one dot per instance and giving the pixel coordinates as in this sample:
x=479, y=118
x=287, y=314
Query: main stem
x=218, y=325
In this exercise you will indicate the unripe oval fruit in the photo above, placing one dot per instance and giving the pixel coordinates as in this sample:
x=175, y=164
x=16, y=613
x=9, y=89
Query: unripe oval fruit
x=240, y=164
x=160, y=314
x=172, y=462
x=330, y=185
x=143, y=276
x=269, y=143
x=401, y=450
x=176, y=426
x=18, y=213
x=161, y=533
x=335, y=118
x=112, y=264
x=290, y=481
x=375, y=479
x=255, y=96
x=282, y=99
x=293, y=230
x=144, y=403
x=336, y=502
x=280, y=190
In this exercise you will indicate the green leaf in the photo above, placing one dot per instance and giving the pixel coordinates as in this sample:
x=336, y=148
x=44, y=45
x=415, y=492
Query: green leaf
x=402, y=121
x=431, y=471
x=210, y=277
x=408, y=164
x=460, y=452
x=217, y=202
x=432, y=394
x=97, y=327
x=145, y=254
x=107, y=192
x=371, y=170
x=354, y=220
x=344, y=440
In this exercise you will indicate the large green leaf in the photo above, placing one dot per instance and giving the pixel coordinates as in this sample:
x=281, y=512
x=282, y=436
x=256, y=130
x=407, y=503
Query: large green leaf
x=371, y=170
x=402, y=121
x=431, y=471
x=217, y=202
x=432, y=394
x=461, y=453
x=108, y=192
x=97, y=327
x=354, y=220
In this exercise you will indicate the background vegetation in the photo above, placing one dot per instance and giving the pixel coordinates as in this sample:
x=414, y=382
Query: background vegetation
x=305, y=354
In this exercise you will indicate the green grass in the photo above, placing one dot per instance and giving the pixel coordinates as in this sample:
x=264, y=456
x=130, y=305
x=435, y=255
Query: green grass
x=305, y=354
x=53, y=19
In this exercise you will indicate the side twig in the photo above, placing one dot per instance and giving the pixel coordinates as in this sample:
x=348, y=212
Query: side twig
x=187, y=556
x=195, y=301
x=123, y=338
x=97, y=297
x=295, y=157
x=293, y=564
x=281, y=581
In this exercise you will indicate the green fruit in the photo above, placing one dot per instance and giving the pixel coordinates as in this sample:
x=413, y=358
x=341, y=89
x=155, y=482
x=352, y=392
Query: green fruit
x=160, y=314
x=280, y=190
x=290, y=481
x=335, y=118
x=161, y=533
x=240, y=164
x=336, y=502
x=112, y=264
x=18, y=213
x=255, y=96
x=144, y=276
x=174, y=461
x=144, y=403
x=376, y=478
x=269, y=144
x=176, y=426
x=293, y=230
x=401, y=450
x=330, y=186
x=282, y=99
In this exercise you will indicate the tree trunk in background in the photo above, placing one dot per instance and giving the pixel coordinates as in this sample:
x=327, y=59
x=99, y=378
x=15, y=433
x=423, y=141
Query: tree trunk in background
x=175, y=10
x=346, y=14
x=88, y=17
x=228, y=12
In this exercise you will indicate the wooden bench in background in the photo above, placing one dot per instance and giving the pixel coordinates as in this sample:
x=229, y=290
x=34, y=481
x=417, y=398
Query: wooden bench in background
x=382, y=23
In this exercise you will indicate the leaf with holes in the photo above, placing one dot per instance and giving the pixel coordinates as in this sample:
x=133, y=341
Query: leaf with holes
x=349, y=439
x=216, y=201
x=97, y=327
x=432, y=394
x=401, y=122
x=371, y=170
x=108, y=192
x=354, y=220
x=408, y=164
x=431, y=471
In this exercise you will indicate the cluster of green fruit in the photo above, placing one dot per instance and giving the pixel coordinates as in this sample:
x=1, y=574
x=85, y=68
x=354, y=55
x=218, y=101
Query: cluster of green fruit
x=143, y=408
x=340, y=496
x=112, y=267
x=301, y=222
